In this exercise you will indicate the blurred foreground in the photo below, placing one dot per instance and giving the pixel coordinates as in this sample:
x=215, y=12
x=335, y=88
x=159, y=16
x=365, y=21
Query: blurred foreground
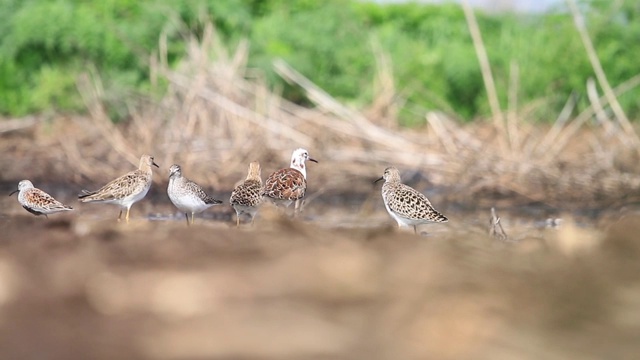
x=73, y=288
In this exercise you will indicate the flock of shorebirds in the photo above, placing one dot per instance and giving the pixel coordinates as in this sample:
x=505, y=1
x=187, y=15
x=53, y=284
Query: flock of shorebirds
x=407, y=206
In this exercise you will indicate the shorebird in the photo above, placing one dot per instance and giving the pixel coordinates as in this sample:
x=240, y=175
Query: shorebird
x=247, y=196
x=125, y=190
x=37, y=201
x=406, y=205
x=288, y=185
x=186, y=195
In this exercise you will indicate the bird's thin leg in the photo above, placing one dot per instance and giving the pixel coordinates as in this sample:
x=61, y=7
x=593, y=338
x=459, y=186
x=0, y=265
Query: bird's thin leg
x=296, y=208
x=237, y=220
x=120, y=215
x=186, y=216
x=415, y=229
x=127, y=217
x=192, y=215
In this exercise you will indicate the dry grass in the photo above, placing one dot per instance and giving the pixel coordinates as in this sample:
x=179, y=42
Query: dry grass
x=216, y=116
x=214, y=121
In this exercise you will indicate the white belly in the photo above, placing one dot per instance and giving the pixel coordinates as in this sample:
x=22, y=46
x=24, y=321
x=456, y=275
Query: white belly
x=186, y=202
x=399, y=219
x=129, y=200
x=189, y=204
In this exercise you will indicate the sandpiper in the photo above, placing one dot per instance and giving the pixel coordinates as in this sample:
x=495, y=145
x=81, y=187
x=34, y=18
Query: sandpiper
x=37, y=201
x=406, y=205
x=288, y=185
x=186, y=195
x=125, y=190
x=247, y=197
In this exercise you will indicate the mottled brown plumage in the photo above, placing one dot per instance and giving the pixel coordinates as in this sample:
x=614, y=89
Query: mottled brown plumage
x=247, y=197
x=37, y=201
x=406, y=205
x=288, y=185
x=125, y=190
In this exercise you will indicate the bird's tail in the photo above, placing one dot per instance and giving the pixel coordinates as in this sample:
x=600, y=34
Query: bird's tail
x=440, y=218
x=85, y=194
x=213, y=201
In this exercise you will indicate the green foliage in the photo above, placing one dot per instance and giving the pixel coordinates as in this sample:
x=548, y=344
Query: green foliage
x=55, y=84
x=434, y=64
x=324, y=41
x=46, y=44
x=434, y=61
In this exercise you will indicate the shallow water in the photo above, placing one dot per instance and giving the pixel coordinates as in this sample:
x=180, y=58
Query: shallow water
x=340, y=211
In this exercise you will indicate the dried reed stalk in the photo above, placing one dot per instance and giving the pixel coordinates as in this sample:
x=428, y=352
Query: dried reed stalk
x=600, y=74
x=384, y=105
x=91, y=91
x=512, y=114
x=600, y=114
x=569, y=131
x=558, y=125
x=485, y=67
x=327, y=102
x=10, y=125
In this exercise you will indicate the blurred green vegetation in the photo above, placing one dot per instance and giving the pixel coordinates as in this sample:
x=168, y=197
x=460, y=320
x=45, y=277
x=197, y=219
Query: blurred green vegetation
x=46, y=44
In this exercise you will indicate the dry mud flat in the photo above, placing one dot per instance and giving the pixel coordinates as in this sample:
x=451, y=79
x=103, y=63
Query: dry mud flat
x=77, y=289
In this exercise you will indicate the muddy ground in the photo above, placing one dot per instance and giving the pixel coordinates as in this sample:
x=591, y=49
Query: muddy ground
x=82, y=286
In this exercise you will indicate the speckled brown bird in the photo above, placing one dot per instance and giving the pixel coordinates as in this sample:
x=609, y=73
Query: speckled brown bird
x=247, y=197
x=125, y=190
x=406, y=205
x=37, y=201
x=186, y=195
x=288, y=185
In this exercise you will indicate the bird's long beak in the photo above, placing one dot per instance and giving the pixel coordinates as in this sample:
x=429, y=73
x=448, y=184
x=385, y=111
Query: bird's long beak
x=381, y=178
x=13, y=192
x=314, y=160
x=154, y=164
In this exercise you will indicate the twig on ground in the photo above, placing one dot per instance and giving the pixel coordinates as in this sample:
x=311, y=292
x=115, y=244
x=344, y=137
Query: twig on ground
x=495, y=227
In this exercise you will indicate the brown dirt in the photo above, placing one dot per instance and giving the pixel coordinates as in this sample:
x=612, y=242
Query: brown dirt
x=74, y=287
